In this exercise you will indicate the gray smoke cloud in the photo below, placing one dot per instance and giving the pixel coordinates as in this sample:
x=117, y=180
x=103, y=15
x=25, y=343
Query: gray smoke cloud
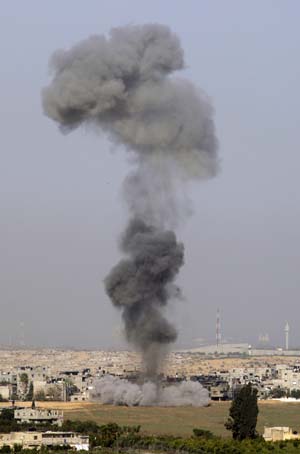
x=126, y=86
x=140, y=287
x=113, y=390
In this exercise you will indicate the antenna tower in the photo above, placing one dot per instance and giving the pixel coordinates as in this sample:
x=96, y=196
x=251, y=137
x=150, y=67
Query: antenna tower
x=218, y=329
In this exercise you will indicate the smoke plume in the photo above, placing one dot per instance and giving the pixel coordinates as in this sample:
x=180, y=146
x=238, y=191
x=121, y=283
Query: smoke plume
x=124, y=85
x=113, y=390
x=140, y=284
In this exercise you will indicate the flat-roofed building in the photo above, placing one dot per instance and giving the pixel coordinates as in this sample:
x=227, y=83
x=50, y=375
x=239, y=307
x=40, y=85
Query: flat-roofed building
x=279, y=433
x=39, y=415
x=36, y=439
x=6, y=391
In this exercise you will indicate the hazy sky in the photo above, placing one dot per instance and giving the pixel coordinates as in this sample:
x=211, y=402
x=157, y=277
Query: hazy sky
x=60, y=199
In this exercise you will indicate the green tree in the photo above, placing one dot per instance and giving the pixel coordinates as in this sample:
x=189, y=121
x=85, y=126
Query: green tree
x=24, y=382
x=295, y=393
x=29, y=395
x=54, y=393
x=40, y=395
x=278, y=392
x=7, y=414
x=24, y=378
x=243, y=414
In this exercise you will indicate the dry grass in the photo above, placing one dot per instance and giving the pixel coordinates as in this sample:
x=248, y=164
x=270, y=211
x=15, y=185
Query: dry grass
x=176, y=420
x=182, y=420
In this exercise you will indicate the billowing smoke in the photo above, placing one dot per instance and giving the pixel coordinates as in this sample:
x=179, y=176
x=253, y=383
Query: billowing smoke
x=140, y=284
x=112, y=390
x=124, y=86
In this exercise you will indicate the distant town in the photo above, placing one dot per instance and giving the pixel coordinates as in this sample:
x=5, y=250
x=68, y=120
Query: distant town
x=69, y=375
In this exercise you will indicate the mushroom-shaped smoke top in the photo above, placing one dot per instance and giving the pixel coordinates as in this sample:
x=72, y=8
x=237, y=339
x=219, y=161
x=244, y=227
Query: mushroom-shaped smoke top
x=122, y=84
x=126, y=85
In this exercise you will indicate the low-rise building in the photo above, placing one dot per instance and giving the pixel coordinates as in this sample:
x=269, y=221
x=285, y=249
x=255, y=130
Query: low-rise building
x=279, y=433
x=6, y=391
x=37, y=439
x=80, y=397
x=39, y=415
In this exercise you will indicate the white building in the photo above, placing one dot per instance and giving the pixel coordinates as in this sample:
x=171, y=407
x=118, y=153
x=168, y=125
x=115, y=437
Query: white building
x=279, y=433
x=39, y=415
x=37, y=439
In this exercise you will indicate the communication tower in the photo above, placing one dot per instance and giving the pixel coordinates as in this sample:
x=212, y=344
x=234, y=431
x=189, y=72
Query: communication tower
x=287, y=331
x=218, y=329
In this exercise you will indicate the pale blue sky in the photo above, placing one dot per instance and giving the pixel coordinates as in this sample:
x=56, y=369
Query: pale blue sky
x=60, y=198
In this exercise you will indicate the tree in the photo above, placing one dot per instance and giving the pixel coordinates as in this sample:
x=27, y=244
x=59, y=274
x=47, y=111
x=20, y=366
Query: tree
x=295, y=393
x=40, y=395
x=24, y=378
x=243, y=414
x=7, y=414
x=277, y=393
x=24, y=381
x=54, y=393
x=29, y=395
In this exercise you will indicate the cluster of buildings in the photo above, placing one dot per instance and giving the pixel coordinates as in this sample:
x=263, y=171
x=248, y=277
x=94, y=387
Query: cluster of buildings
x=30, y=440
x=37, y=382
x=223, y=384
x=42, y=384
x=34, y=438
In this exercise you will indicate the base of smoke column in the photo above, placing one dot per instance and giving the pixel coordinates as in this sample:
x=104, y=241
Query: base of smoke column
x=116, y=391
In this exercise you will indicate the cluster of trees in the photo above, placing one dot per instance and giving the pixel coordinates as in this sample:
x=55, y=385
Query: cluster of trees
x=278, y=392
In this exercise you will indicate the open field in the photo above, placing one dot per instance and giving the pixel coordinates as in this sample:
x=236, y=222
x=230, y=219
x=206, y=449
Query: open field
x=181, y=420
x=178, y=420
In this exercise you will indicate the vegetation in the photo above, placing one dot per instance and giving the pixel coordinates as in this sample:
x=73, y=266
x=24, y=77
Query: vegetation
x=9, y=424
x=295, y=393
x=29, y=395
x=203, y=433
x=24, y=378
x=24, y=381
x=180, y=421
x=277, y=393
x=54, y=393
x=40, y=395
x=243, y=414
x=112, y=438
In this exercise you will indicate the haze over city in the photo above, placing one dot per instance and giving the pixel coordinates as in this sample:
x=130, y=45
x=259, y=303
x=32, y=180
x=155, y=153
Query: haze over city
x=60, y=195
